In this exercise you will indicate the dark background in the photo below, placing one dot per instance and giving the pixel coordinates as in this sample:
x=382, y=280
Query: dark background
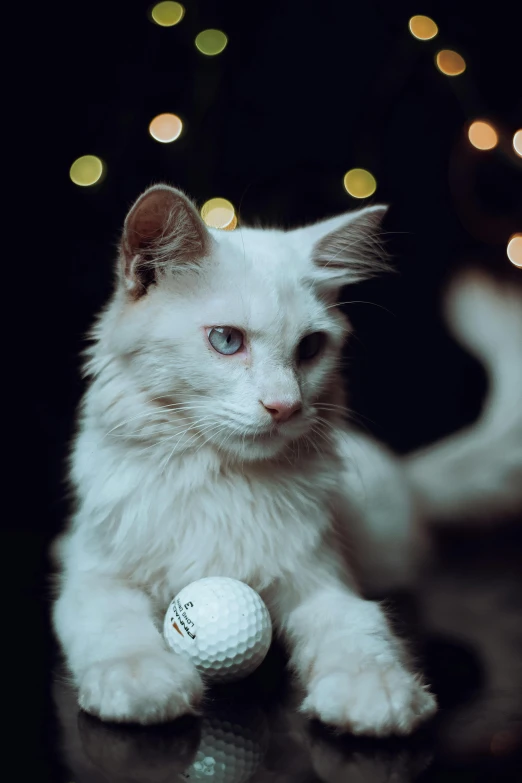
x=303, y=92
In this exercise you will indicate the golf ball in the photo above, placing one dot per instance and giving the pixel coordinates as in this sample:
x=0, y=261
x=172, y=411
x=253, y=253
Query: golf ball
x=222, y=625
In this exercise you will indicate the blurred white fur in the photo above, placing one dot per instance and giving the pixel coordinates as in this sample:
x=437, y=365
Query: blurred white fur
x=476, y=474
x=181, y=472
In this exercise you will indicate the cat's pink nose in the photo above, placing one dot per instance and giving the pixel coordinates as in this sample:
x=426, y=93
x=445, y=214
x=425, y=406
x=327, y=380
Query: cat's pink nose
x=282, y=411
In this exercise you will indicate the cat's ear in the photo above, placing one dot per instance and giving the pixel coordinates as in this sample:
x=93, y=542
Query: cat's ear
x=162, y=231
x=347, y=248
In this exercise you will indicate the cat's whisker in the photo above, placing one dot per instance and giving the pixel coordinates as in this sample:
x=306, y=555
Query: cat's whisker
x=336, y=411
x=189, y=418
x=325, y=423
x=161, y=441
x=313, y=442
x=156, y=412
x=325, y=428
x=359, y=301
x=319, y=432
x=349, y=412
x=173, y=433
x=197, y=433
x=213, y=432
x=232, y=432
x=164, y=464
x=179, y=434
x=193, y=438
x=200, y=432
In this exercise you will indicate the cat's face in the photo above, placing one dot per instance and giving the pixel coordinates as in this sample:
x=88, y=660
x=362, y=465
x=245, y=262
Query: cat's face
x=240, y=337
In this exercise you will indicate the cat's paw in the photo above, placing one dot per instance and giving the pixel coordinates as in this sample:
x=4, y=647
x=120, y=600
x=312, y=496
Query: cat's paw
x=141, y=688
x=377, y=700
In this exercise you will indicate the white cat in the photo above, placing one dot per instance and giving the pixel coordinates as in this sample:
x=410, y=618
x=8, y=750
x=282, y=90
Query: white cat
x=212, y=440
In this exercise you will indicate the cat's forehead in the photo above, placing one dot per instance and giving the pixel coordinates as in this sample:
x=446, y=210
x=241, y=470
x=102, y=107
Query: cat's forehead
x=262, y=278
x=266, y=257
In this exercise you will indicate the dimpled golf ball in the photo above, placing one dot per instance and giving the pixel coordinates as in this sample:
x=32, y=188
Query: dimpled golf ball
x=222, y=625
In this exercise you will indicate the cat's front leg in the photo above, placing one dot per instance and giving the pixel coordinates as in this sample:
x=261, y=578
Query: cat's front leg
x=116, y=654
x=355, y=671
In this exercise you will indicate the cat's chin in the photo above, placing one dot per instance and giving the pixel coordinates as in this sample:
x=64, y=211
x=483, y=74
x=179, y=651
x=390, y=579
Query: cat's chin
x=260, y=447
x=253, y=450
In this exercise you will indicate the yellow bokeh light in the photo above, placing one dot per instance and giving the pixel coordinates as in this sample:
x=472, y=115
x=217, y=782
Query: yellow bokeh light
x=482, y=135
x=165, y=128
x=232, y=225
x=514, y=250
x=360, y=183
x=211, y=42
x=450, y=63
x=219, y=213
x=167, y=14
x=86, y=170
x=423, y=27
x=517, y=142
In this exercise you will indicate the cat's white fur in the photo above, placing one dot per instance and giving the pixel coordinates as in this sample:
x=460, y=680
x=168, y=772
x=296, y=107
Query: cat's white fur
x=180, y=472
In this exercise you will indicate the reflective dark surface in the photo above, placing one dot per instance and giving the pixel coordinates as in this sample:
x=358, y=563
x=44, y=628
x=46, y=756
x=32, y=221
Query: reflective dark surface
x=466, y=629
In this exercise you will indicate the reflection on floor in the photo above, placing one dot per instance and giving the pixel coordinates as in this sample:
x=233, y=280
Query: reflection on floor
x=466, y=623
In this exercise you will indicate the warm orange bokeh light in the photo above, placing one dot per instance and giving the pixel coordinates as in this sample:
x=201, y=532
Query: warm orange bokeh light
x=514, y=250
x=517, y=142
x=450, y=63
x=423, y=27
x=360, y=183
x=482, y=135
x=165, y=128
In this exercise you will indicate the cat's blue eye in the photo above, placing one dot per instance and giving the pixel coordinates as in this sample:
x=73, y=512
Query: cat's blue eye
x=225, y=339
x=310, y=346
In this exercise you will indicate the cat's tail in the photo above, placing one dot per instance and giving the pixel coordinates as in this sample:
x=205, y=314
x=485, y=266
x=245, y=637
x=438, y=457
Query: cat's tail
x=476, y=474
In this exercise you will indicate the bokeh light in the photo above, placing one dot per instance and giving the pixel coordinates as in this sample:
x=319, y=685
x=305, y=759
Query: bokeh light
x=232, y=225
x=86, y=170
x=482, y=135
x=167, y=14
x=514, y=250
x=359, y=183
x=219, y=213
x=450, y=63
x=211, y=42
x=165, y=128
x=423, y=27
x=517, y=142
